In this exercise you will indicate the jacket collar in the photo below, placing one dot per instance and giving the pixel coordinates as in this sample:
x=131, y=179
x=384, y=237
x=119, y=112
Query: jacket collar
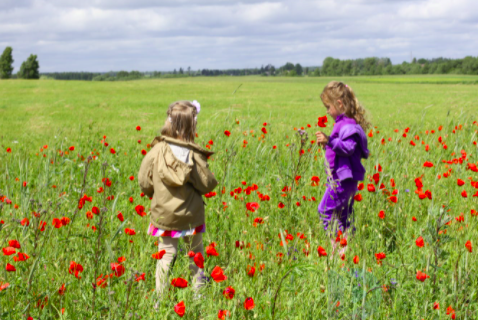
x=190, y=145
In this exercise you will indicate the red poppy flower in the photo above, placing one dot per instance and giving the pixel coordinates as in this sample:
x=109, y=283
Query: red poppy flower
x=264, y=130
x=158, y=255
x=218, y=274
x=14, y=244
x=380, y=256
x=56, y=223
x=72, y=148
x=8, y=251
x=356, y=260
x=139, y=277
x=120, y=216
x=428, y=164
x=222, y=314
x=419, y=242
x=9, y=150
x=211, y=250
x=65, y=221
x=138, y=128
x=322, y=121
x=421, y=276
x=321, y=251
x=179, y=283
x=143, y=152
x=460, y=182
x=249, y=303
x=468, y=246
x=251, y=271
x=61, y=291
x=229, y=293
x=112, y=151
x=381, y=214
x=227, y=132
x=360, y=186
x=75, y=268
x=394, y=199
x=370, y=188
x=140, y=210
x=129, y=231
x=95, y=210
x=464, y=194
x=180, y=309
x=25, y=222
x=199, y=260
x=118, y=269
x=436, y=305
x=252, y=206
x=358, y=197
x=10, y=268
x=281, y=205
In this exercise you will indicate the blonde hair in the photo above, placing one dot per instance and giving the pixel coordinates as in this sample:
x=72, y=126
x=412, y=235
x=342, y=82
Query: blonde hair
x=336, y=90
x=181, y=121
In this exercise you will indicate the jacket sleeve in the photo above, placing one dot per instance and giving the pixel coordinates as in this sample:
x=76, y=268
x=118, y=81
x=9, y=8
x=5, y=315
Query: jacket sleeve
x=343, y=148
x=145, y=175
x=201, y=177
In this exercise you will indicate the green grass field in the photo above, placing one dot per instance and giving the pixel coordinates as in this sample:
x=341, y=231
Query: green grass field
x=42, y=178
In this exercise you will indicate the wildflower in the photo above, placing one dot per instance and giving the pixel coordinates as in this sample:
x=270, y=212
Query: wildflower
x=211, y=250
x=381, y=214
x=129, y=231
x=419, y=242
x=227, y=133
x=8, y=251
x=140, y=210
x=120, y=216
x=118, y=269
x=10, y=268
x=428, y=164
x=356, y=260
x=14, y=244
x=179, y=283
x=75, y=268
x=180, y=309
x=61, y=291
x=222, y=314
x=251, y=271
x=321, y=251
x=249, y=303
x=138, y=128
x=158, y=255
x=199, y=260
x=322, y=121
x=468, y=246
x=218, y=274
x=229, y=293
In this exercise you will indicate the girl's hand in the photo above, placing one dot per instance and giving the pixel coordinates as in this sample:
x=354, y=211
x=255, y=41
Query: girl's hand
x=322, y=138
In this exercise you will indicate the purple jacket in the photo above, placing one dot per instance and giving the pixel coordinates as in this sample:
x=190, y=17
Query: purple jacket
x=346, y=147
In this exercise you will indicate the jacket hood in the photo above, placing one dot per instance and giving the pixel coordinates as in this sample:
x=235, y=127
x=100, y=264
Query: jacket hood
x=349, y=130
x=190, y=145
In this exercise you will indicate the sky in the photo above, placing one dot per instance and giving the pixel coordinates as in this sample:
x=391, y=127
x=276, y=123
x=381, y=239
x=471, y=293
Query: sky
x=148, y=35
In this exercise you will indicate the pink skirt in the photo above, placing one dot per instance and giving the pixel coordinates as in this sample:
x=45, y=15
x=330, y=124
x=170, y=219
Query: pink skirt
x=157, y=232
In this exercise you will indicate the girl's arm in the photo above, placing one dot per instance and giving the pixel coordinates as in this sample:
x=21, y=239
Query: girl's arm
x=343, y=148
x=145, y=175
x=201, y=177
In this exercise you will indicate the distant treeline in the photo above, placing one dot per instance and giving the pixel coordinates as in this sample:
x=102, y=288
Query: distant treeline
x=330, y=67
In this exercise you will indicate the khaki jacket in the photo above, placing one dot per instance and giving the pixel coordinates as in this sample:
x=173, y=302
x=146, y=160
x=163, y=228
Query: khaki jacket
x=176, y=187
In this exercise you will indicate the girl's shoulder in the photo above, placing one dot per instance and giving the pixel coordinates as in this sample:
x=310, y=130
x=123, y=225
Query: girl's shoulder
x=189, y=145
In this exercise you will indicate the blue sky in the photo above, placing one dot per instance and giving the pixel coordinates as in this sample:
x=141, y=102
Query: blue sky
x=147, y=35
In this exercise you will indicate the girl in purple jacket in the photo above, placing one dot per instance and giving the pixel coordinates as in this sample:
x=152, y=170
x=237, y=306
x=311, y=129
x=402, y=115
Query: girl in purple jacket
x=344, y=149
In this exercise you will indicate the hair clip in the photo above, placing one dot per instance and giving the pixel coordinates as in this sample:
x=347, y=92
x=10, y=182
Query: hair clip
x=197, y=105
x=170, y=120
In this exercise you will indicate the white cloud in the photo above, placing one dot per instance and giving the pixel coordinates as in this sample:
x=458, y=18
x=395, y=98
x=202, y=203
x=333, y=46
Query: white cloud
x=102, y=35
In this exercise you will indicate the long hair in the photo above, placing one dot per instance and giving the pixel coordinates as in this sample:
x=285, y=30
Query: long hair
x=180, y=122
x=336, y=90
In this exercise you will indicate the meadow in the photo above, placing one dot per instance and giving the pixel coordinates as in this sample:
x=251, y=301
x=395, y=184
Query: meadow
x=73, y=232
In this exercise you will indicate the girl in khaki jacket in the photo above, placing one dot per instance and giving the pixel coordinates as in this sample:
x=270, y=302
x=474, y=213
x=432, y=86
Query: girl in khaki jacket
x=175, y=174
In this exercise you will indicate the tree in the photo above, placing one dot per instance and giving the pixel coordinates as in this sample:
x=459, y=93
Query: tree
x=6, y=61
x=298, y=69
x=30, y=68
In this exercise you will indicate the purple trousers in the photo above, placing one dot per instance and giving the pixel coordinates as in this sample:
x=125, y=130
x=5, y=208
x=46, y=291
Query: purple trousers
x=336, y=207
